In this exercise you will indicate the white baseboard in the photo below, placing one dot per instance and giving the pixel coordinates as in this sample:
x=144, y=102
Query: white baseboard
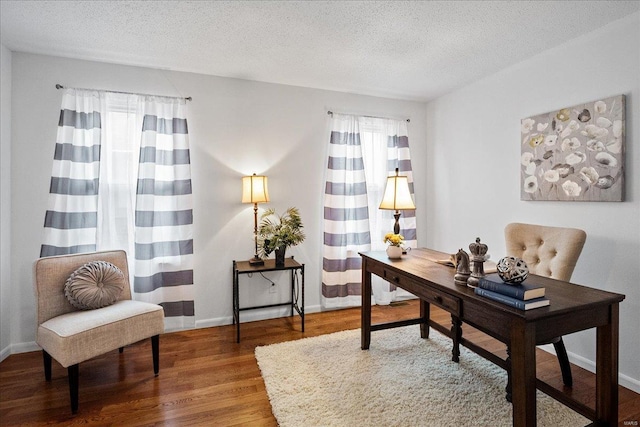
x=24, y=347
x=253, y=315
x=624, y=380
x=245, y=316
x=5, y=352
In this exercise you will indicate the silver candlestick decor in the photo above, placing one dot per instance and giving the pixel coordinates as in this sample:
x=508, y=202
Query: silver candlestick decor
x=478, y=257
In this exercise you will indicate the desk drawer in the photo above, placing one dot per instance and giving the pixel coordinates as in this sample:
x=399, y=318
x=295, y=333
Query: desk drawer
x=432, y=296
x=445, y=301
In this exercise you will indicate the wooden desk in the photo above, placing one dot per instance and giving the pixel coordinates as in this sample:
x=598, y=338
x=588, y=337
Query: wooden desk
x=244, y=267
x=573, y=308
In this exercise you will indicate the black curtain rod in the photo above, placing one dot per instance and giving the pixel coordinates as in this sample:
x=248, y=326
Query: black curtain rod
x=371, y=117
x=59, y=86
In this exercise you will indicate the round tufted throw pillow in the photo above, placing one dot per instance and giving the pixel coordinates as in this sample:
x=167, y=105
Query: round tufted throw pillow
x=94, y=285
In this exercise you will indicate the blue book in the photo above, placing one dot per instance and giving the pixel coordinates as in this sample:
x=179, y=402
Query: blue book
x=523, y=291
x=513, y=302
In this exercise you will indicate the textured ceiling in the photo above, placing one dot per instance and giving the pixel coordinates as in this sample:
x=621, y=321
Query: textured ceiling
x=409, y=50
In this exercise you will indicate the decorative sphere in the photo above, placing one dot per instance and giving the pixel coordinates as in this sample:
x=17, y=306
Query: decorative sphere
x=512, y=270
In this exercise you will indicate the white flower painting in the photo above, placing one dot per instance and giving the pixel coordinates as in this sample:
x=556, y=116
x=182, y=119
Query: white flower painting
x=577, y=152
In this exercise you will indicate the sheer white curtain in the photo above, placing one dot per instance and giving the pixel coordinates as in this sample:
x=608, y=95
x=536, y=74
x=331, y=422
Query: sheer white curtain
x=382, y=152
x=119, y=173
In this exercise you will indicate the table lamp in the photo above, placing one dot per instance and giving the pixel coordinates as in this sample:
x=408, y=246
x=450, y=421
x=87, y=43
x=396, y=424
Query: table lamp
x=254, y=190
x=397, y=197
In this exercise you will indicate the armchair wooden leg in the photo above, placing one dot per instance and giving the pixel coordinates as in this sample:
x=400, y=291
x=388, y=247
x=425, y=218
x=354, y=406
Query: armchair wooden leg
x=563, y=359
x=73, y=387
x=121, y=349
x=155, y=348
x=46, y=358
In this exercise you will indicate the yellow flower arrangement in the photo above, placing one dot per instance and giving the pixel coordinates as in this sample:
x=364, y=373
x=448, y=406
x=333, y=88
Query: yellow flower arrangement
x=393, y=239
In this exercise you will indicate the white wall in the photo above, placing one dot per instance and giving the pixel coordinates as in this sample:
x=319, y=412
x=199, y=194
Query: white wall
x=473, y=163
x=5, y=201
x=236, y=128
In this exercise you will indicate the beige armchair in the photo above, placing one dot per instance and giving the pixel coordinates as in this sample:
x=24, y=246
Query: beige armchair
x=550, y=252
x=70, y=335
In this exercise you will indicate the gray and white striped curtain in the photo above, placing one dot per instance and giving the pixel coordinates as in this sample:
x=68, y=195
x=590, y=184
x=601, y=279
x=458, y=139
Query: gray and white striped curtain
x=347, y=220
x=346, y=215
x=71, y=218
x=164, y=213
x=163, y=266
x=399, y=156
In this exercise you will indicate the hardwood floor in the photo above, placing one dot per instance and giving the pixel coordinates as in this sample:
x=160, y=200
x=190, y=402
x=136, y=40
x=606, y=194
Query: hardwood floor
x=207, y=379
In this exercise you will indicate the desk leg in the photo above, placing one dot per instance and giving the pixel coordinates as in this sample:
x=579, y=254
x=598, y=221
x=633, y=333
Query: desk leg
x=456, y=333
x=425, y=314
x=509, y=387
x=365, y=311
x=523, y=373
x=607, y=370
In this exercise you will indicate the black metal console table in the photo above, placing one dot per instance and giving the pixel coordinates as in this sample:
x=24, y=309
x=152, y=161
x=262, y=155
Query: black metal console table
x=243, y=267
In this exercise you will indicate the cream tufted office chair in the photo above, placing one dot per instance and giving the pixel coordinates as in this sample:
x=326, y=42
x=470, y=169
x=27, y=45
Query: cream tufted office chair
x=550, y=252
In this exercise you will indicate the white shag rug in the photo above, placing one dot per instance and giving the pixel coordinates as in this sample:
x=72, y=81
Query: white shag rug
x=402, y=380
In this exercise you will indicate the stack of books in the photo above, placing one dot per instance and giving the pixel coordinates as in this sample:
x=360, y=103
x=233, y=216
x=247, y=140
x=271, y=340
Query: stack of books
x=523, y=296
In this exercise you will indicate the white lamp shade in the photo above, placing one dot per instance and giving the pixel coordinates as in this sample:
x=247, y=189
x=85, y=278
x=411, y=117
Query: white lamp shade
x=255, y=189
x=397, y=195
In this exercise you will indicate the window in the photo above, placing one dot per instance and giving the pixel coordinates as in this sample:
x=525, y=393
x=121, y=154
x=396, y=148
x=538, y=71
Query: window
x=374, y=141
x=120, y=152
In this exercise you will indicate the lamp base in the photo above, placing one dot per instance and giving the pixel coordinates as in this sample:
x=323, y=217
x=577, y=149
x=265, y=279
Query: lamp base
x=396, y=226
x=255, y=261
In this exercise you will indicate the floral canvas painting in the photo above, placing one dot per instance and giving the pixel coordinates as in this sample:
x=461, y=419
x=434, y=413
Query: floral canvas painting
x=575, y=153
